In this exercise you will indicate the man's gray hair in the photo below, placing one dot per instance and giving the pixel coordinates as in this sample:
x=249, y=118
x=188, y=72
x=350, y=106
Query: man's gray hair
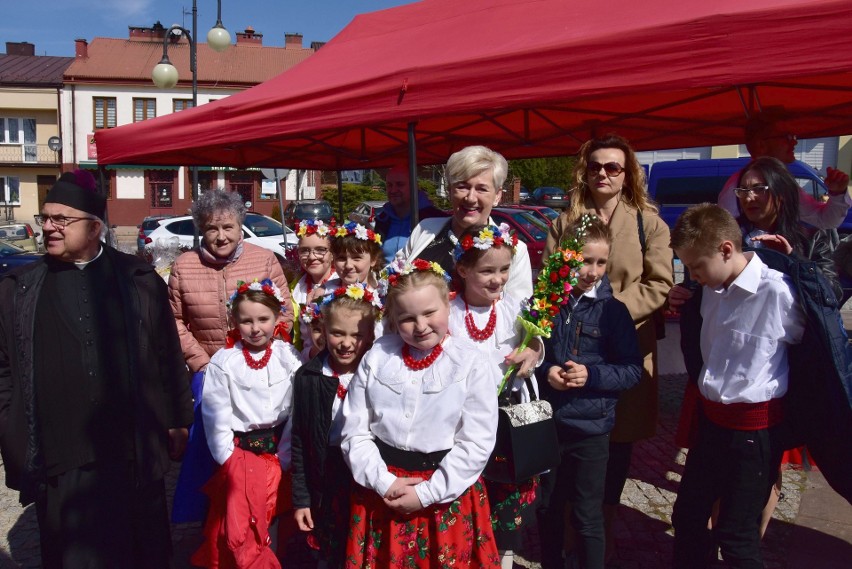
x=212, y=202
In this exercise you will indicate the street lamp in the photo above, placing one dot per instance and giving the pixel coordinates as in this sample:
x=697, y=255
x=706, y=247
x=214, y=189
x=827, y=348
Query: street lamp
x=165, y=75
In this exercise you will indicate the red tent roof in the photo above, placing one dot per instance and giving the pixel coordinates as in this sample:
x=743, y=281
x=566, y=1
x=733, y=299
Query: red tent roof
x=526, y=77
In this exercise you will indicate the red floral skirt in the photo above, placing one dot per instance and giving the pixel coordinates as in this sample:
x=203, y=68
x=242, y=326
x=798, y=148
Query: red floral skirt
x=457, y=534
x=510, y=506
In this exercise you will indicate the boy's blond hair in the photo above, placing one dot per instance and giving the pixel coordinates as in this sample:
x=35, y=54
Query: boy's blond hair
x=704, y=227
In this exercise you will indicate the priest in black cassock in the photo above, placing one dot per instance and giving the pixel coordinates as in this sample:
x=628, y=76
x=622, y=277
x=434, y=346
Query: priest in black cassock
x=94, y=399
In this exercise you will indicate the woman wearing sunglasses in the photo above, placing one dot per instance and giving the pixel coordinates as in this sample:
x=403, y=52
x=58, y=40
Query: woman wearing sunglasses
x=609, y=182
x=768, y=202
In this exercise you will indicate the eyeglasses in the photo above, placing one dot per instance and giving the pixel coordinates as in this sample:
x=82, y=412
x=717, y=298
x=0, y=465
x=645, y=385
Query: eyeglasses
x=612, y=169
x=307, y=252
x=791, y=138
x=758, y=191
x=59, y=221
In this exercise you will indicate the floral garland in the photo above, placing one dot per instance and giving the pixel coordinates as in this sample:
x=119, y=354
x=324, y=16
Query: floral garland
x=309, y=313
x=553, y=287
x=266, y=285
x=357, y=291
x=314, y=226
x=398, y=268
x=358, y=231
x=489, y=236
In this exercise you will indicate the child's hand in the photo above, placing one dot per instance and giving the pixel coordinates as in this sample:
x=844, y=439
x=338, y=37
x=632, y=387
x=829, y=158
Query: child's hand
x=303, y=519
x=774, y=241
x=678, y=295
x=317, y=293
x=399, y=485
x=555, y=379
x=575, y=375
x=408, y=502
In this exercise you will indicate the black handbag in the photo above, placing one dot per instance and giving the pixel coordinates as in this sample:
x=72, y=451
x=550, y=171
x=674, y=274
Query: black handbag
x=526, y=441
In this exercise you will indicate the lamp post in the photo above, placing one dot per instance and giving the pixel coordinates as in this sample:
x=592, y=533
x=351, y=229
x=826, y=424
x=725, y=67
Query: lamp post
x=165, y=75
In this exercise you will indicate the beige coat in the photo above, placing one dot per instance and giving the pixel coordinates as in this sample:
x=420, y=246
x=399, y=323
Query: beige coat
x=642, y=284
x=199, y=291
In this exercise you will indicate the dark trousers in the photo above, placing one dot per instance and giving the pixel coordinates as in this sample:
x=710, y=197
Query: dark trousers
x=578, y=480
x=737, y=468
x=617, y=468
x=95, y=517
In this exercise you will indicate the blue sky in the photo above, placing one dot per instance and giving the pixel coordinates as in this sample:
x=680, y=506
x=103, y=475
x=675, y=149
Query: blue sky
x=53, y=25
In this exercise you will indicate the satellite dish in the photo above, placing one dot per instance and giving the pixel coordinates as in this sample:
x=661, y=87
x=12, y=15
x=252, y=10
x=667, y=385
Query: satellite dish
x=54, y=143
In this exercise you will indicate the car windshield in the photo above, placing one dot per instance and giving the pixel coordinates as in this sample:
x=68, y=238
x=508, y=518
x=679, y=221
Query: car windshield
x=263, y=226
x=13, y=232
x=7, y=249
x=313, y=211
x=532, y=225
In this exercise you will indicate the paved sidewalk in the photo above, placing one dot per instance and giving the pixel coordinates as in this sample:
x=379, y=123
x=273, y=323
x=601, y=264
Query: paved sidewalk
x=811, y=529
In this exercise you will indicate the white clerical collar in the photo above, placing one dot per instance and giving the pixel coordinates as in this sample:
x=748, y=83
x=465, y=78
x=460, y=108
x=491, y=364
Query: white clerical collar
x=82, y=264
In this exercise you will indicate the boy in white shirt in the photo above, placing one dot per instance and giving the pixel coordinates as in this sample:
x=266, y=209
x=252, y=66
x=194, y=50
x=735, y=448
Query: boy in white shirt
x=750, y=316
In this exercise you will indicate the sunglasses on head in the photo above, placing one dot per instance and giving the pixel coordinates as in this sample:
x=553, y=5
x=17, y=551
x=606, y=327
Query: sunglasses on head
x=611, y=168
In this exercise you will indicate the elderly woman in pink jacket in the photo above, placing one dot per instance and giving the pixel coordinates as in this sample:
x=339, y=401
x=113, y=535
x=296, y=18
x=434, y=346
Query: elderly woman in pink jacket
x=200, y=284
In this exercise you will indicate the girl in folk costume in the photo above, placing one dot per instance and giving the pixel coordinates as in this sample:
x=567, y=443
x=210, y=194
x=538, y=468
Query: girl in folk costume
x=314, y=250
x=419, y=425
x=246, y=405
x=485, y=314
x=357, y=253
x=321, y=479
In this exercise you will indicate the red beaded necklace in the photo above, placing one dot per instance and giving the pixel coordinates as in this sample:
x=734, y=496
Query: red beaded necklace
x=341, y=391
x=417, y=365
x=261, y=363
x=474, y=332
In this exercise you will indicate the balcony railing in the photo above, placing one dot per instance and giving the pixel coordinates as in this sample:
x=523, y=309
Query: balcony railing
x=28, y=154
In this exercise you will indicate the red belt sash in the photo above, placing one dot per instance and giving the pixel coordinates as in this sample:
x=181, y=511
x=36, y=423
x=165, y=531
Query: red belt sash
x=744, y=416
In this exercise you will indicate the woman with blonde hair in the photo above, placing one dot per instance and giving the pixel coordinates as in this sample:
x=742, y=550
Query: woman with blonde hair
x=610, y=183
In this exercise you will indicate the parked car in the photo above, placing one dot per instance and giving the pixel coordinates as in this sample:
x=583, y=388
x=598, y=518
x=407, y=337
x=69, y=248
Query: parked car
x=149, y=224
x=548, y=214
x=530, y=229
x=524, y=195
x=677, y=184
x=307, y=209
x=12, y=256
x=365, y=213
x=550, y=196
x=258, y=229
x=21, y=234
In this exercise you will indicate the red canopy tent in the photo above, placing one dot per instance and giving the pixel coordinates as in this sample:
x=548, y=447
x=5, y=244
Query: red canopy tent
x=526, y=77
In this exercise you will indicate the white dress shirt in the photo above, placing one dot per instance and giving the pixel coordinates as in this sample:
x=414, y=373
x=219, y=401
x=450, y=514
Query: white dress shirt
x=822, y=215
x=238, y=398
x=449, y=405
x=506, y=337
x=299, y=294
x=745, y=333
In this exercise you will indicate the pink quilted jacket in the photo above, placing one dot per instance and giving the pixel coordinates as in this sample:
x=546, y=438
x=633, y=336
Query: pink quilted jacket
x=198, y=292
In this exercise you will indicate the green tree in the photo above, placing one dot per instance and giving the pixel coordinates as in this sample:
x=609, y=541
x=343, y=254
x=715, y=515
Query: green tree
x=535, y=172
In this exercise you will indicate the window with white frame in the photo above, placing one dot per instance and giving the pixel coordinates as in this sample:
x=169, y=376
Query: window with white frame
x=19, y=131
x=144, y=109
x=10, y=190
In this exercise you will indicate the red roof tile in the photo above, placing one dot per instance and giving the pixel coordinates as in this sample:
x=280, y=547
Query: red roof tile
x=123, y=60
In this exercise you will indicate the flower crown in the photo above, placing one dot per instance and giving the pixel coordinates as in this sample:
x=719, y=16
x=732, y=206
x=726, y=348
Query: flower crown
x=266, y=286
x=489, y=236
x=357, y=291
x=309, y=313
x=358, y=231
x=397, y=268
x=314, y=226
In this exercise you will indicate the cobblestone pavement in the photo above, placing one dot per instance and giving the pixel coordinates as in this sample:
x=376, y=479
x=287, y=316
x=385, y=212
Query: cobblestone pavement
x=642, y=530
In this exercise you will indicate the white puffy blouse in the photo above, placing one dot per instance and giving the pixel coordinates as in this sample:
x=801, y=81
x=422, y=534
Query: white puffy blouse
x=449, y=405
x=236, y=397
